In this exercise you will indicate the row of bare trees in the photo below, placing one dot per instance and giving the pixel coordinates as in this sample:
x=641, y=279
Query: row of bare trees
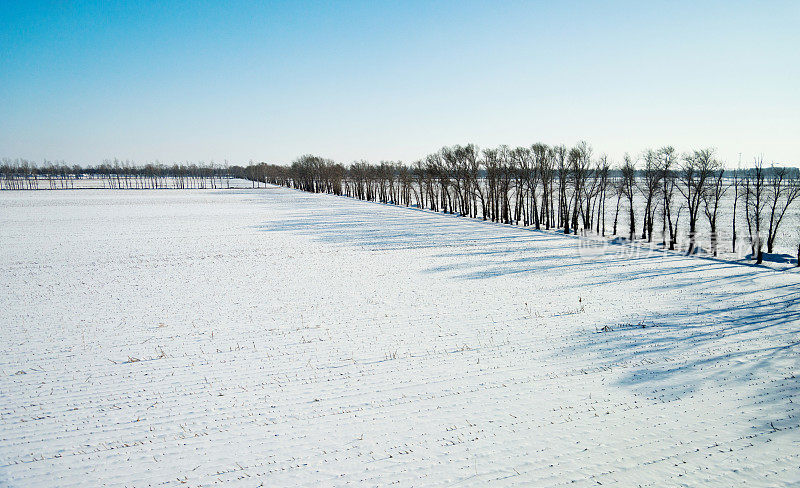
x=549, y=187
x=567, y=188
x=21, y=174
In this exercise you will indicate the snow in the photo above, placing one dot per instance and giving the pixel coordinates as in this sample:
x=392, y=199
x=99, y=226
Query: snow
x=240, y=337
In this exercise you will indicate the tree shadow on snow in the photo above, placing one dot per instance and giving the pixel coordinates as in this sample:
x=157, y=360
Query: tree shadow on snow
x=732, y=326
x=731, y=340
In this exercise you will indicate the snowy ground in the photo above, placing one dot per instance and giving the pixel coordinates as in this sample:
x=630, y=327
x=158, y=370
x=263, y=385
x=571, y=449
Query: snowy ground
x=240, y=337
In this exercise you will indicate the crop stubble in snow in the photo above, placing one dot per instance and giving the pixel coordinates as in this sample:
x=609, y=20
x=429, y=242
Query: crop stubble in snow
x=228, y=338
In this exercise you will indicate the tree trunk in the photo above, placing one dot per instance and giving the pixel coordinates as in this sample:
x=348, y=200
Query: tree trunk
x=714, y=238
x=633, y=223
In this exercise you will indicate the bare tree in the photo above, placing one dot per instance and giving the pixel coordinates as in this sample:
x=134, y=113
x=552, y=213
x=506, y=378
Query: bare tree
x=784, y=188
x=491, y=162
x=649, y=188
x=711, y=198
x=617, y=185
x=579, y=168
x=603, y=168
x=543, y=161
x=754, y=202
x=523, y=173
x=735, y=185
x=560, y=154
x=695, y=172
x=670, y=216
x=628, y=188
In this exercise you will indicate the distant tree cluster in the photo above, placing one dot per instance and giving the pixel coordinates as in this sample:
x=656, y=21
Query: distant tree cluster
x=566, y=188
x=21, y=174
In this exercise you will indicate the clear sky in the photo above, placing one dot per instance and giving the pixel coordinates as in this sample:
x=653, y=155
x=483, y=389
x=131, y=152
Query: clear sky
x=202, y=81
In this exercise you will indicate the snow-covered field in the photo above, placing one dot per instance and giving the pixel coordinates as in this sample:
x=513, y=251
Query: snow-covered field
x=241, y=337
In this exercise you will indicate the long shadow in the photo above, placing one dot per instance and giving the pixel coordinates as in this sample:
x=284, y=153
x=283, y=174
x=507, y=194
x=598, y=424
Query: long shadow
x=756, y=339
x=501, y=249
x=732, y=323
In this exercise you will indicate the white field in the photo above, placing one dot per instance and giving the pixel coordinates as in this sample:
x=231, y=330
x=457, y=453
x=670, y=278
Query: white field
x=240, y=337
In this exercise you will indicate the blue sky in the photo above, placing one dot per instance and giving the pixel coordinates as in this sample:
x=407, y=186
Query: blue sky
x=202, y=81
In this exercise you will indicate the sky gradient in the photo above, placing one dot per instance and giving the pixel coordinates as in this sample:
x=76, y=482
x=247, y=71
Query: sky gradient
x=202, y=81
